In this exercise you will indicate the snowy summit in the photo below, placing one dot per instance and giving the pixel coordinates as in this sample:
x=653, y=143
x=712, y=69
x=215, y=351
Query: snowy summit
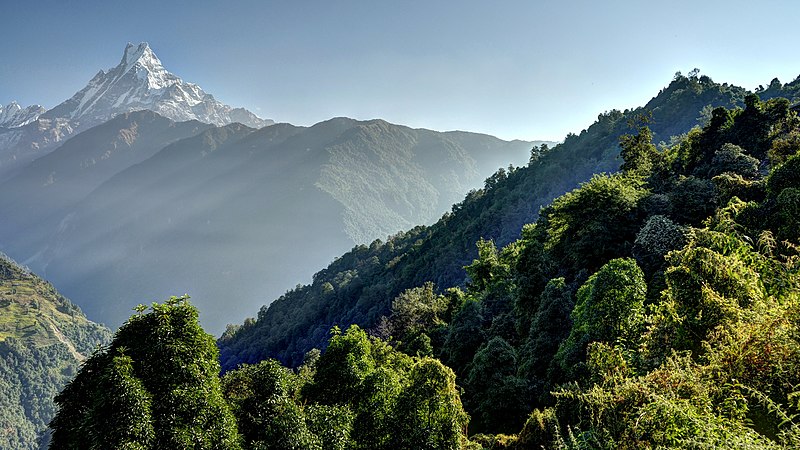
x=13, y=115
x=139, y=82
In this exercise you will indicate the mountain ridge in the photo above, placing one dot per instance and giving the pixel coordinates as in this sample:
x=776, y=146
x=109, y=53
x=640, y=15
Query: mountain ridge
x=13, y=115
x=138, y=82
x=142, y=197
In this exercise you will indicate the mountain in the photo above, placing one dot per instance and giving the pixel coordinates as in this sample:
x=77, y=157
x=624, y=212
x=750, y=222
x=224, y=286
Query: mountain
x=13, y=115
x=359, y=286
x=44, y=338
x=141, y=207
x=138, y=82
x=60, y=179
x=21, y=145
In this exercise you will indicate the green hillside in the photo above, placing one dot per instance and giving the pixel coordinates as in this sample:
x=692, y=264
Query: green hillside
x=358, y=287
x=43, y=340
x=655, y=307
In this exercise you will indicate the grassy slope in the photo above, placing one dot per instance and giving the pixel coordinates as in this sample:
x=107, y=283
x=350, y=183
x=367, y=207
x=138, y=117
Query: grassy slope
x=43, y=339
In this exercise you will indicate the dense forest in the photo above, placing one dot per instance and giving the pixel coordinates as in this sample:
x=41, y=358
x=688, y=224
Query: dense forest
x=157, y=387
x=654, y=307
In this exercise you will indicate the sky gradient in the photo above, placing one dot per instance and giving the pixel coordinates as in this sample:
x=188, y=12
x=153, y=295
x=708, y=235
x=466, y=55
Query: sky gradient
x=514, y=69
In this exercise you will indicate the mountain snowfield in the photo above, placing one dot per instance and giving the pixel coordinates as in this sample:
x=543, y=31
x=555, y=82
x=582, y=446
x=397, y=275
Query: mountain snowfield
x=138, y=82
x=13, y=115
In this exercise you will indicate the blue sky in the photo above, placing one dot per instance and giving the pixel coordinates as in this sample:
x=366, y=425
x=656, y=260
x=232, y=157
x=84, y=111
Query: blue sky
x=514, y=69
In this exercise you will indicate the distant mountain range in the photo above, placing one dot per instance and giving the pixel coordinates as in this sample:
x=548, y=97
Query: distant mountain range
x=13, y=115
x=138, y=82
x=147, y=204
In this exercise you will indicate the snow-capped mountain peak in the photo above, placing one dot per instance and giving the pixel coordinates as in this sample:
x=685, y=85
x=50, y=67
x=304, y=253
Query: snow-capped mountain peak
x=146, y=66
x=13, y=115
x=140, y=53
x=140, y=81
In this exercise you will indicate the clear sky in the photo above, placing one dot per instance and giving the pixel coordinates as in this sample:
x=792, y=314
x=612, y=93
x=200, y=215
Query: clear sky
x=514, y=69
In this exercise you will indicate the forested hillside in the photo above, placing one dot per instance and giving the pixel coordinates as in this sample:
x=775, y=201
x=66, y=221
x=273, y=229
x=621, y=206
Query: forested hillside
x=43, y=340
x=359, y=286
x=656, y=307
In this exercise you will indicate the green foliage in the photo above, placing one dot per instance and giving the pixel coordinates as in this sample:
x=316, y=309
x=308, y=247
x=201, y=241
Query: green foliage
x=669, y=408
x=596, y=223
x=496, y=395
x=758, y=121
x=163, y=368
x=269, y=413
x=785, y=146
x=428, y=413
x=532, y=272
x=693, y=199
x=788, y=216
x=417, y=312
x=733, y=159
x=733, y=185
x=398, y=402
x=157, y=386
x=417, y=309
x=464, y=337
x=786, y=175
x=29, y=379
x=610, y=308
x=610, y=303
x=343, y=368
x=655, y=239
x=707, y=284
x=123, y=413
x=486, y=268
x=332, y=425
x=549, y=329
x=540, y=430
x=638, y=153
x=261, y=397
